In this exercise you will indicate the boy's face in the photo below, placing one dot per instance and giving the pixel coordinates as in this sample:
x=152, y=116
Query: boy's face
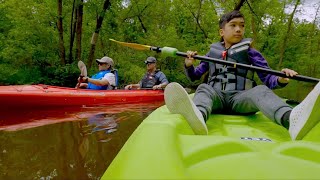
x=232, y=32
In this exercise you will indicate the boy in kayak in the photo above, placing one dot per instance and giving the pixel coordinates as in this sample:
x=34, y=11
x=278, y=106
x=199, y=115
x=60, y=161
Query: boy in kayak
x=154, y=78
x=233, y=90
x=104, y=79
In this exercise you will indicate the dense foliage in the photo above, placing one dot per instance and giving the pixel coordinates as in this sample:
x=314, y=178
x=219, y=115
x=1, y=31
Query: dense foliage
x=30, y=51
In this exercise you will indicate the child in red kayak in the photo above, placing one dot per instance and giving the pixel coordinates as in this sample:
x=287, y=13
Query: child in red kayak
x=234, y=91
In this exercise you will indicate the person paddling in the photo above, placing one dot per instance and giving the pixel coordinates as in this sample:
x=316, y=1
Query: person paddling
x=233, y=90
x=153, y=78
x=104, y=79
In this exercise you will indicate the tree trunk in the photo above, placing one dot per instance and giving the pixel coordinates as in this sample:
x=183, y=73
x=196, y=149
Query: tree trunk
x=142, y=25
x=62, y=52
x=312, y=34
x=79, y=30
x=95, y=35
x=197, y=17
x=314, y=44
x=73, y=25
x=287, y=35
x=254, y=31
x=140, y=15
x=239, y=5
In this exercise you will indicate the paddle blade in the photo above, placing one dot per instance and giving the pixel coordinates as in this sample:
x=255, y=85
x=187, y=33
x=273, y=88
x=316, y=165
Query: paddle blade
x=133, y=45
x=82, y=68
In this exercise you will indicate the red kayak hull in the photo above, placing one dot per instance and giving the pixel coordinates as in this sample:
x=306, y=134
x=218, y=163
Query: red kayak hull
x=43, y=95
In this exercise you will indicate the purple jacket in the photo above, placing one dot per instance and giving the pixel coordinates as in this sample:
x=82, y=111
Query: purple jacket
x=256, y=59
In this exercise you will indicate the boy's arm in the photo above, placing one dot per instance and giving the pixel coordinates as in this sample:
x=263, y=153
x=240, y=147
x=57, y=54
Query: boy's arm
x=269, y=80
x=196, y=73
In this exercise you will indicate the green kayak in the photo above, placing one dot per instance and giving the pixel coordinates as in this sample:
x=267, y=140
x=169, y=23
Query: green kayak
x=237, y=147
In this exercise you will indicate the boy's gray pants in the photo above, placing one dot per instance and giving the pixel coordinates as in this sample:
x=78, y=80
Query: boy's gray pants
x=260, y=98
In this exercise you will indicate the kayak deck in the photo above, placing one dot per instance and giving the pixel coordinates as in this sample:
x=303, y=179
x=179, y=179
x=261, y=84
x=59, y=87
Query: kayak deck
x=237, y=147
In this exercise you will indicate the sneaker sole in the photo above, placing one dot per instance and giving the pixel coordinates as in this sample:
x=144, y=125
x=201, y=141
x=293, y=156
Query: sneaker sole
x=310, y=117
x=174, y=93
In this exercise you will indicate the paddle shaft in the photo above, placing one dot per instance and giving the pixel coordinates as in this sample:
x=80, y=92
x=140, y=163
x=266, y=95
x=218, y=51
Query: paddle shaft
x=244, y=66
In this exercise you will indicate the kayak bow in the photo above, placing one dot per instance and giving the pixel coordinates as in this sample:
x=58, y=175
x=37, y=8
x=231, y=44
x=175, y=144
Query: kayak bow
x=237, y=147
x=30, y=96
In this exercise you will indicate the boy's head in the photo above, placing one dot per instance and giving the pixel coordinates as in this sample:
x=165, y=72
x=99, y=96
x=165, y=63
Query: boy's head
x=231, y=28
x=228, y=17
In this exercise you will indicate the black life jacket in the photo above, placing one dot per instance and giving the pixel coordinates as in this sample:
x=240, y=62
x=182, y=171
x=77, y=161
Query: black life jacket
x=228, y=78
x=149, y=80
x=115, y=72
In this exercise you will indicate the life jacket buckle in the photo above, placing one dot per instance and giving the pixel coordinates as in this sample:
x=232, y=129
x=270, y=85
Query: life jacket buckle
x=224, y=69
x=224, y=55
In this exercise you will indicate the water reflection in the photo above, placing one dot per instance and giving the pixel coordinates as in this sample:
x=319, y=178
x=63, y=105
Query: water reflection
x=29, y=118
x=101, y=122
x=66, y=144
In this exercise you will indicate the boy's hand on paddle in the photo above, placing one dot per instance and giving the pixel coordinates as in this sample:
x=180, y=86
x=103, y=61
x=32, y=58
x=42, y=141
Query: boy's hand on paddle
x=190, y=60
x=289, y=73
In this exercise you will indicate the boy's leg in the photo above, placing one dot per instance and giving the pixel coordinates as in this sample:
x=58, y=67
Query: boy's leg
x=306, y=115
x=207, y=99
x=260, y=98
x=178, y=102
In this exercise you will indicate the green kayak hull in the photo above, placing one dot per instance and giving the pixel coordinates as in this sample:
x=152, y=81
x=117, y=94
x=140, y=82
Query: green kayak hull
x=237, y=147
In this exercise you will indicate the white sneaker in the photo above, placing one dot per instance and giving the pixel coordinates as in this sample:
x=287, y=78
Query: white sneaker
x=306, y=115
x=178, y=102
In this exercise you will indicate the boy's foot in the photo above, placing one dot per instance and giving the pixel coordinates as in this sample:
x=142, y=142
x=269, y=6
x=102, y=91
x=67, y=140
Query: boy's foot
x=178, y=102
x=306, y=115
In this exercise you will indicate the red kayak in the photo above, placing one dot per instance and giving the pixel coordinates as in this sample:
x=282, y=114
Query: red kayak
x=27, y=96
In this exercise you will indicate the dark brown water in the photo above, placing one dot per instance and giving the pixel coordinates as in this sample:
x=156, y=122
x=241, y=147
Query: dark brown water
x=72, y=143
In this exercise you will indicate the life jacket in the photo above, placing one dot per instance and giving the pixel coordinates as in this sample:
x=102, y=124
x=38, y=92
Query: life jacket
x=230, y=78
x=115, y=72
x=149, y=80
x=100, y=75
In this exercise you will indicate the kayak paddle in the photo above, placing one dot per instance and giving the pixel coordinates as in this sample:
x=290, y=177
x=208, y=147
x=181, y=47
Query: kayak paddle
x=83, y=70
x=173, y=52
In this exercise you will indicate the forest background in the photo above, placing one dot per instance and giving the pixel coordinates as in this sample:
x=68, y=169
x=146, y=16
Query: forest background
x=41, y=41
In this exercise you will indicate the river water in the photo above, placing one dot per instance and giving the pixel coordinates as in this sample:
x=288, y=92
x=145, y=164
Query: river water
x=69, y=143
